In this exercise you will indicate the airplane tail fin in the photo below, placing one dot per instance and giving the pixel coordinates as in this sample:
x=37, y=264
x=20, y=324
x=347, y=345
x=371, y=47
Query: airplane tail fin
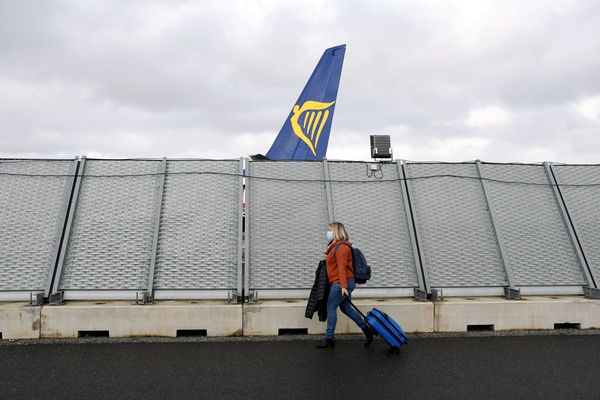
x=305, y=133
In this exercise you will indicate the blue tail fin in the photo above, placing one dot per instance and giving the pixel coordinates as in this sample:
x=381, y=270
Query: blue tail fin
x=305, y=133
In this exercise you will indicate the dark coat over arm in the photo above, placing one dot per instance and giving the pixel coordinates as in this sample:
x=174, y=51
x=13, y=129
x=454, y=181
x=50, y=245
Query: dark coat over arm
x=317, y=301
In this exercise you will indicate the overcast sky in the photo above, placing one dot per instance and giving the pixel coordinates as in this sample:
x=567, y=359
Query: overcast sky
x=508, y=80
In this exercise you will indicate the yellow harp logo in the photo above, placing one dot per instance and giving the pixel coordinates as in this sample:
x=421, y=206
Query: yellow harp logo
x=314, y=115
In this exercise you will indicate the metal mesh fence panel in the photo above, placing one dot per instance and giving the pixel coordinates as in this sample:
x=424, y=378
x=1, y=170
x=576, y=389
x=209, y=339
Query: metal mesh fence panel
x=537, y=244
x=456, y=231
x=286, y=224
x=198, y=237
x=583, y=204
x=111, y=238
x=32, y=212
x=372, y=209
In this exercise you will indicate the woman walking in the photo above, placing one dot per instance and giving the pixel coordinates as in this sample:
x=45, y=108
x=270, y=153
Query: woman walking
x=341, y=280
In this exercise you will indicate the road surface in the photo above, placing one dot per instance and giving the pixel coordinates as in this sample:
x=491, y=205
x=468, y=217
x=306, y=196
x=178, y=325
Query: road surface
x=505, y=367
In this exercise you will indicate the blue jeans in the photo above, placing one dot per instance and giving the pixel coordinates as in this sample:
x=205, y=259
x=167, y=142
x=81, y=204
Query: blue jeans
x=336, y=299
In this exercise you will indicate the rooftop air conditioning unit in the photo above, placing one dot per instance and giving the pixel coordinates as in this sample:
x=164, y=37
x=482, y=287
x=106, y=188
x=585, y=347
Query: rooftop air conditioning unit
x=381, y=146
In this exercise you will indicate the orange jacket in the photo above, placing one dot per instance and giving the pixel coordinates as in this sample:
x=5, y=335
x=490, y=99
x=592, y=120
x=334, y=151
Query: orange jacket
x=339, y=266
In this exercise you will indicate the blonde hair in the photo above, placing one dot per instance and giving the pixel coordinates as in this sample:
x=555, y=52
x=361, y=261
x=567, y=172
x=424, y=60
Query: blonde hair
x=339, y=231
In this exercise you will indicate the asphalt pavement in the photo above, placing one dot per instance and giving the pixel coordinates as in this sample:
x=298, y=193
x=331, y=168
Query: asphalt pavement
x=470, y=367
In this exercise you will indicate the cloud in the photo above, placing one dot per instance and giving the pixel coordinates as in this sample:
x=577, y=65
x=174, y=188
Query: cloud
x=589, y=108
x=448, y=80
x=487, y=117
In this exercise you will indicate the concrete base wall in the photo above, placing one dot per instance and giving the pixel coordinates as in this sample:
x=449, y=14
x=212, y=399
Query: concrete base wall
x=268, y=317
x=19, y=321
x=454, y=315
x=123, y=319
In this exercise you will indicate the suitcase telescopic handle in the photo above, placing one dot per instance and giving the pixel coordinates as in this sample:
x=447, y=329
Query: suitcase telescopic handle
x=356, y=308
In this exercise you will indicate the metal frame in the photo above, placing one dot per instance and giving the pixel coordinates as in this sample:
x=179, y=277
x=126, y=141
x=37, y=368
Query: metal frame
x=360, y=291
x=418, y=294
x=328, y=192
x=238, y=295
x=22, y=295
x=510, y=292
x=39, y=296
x=68, y=192
x=560, y=290
x=4, y=297
x=357, y=293
x=249, y=296
x=56, y=296
x=384, y=292
x=591, y=290
x=148, y=296
x=424, y=292
x=133, y=295
x=192, y=294
x=231, y=295
x=472, y=291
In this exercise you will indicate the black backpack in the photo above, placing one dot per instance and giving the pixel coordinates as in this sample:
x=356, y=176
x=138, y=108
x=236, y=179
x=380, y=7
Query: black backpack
x=362, y=270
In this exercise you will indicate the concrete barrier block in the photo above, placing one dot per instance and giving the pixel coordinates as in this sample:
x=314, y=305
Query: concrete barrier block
x=19, y=321
x=534, y=312
x=593, y=315
x=124, y=319
x=266, y=318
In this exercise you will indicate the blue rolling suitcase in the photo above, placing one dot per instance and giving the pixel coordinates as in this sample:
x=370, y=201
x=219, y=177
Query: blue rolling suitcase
x=385, y=327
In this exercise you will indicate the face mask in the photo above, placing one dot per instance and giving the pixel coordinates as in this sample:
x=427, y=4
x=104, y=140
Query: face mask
x=329, y=235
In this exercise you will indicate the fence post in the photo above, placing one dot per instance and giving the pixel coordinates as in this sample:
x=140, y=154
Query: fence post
x=237, y=296
x=56, y=296
x=67, y=203
x=148, y=296
x=510, y=292
x=591, y=290
x=250, y=296
x=328, y=193
x=424, y=292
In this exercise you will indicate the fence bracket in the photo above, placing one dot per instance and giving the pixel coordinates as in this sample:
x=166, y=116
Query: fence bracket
x=57, y=299
x=436, y=295
x=420, y=295
x=36, y=299
x=252, y=297
x=511, y=293
x=232, y=297
x=591, y=293
x=142, y=298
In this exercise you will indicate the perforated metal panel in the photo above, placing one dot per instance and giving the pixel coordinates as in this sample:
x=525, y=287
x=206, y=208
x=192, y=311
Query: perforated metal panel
x=287, y=222
x=111, y=238
x=537, y=244
x=373, y=212
x=583, y=204
x=32, y=212
x=198, y=237
x=456, y=231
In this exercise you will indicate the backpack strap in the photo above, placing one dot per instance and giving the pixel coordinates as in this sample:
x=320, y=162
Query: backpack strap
x=351, y=253
x=338, y=245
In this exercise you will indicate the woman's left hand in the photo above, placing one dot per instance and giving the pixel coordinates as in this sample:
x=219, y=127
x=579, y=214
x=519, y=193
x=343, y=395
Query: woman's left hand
x=344, y=292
